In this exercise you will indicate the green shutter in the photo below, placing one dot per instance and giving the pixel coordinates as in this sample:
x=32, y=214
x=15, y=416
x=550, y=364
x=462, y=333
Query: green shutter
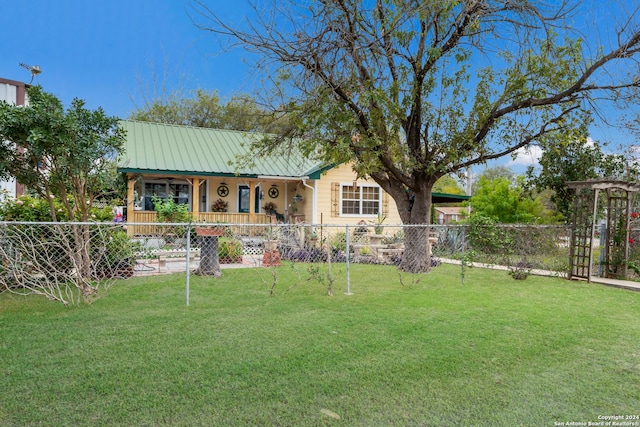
x=385, y=202
x=335, y=199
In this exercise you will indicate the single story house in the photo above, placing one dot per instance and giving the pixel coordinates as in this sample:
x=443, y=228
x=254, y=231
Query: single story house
x=196, y=166
x=449, y=214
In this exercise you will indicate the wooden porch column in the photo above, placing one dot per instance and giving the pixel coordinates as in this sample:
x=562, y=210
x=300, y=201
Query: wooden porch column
x=252, y=202
x=130, y=203
x=195, y=199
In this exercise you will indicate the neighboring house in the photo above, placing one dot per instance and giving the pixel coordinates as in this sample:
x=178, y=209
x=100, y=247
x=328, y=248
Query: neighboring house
x=449, y=214
x=15, y=93
x=197, y=167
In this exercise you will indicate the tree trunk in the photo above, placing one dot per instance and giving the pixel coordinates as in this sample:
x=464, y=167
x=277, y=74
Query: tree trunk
x=209, y=259
x=417, y=254
x=80, y=253
x=415, y=212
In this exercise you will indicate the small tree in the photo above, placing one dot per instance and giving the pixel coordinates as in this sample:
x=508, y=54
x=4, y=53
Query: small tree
x=506, y=203
x=62, y=155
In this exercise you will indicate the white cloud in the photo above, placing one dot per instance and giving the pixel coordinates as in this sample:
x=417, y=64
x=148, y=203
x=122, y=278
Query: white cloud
x=531, y=156
x=526, y=157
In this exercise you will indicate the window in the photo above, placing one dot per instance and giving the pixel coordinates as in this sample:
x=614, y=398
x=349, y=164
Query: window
x=179, y=192
x=243, y=199
x=360, y=200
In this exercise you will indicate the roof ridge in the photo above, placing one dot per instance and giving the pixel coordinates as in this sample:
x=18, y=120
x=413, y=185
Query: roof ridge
x=193, y=127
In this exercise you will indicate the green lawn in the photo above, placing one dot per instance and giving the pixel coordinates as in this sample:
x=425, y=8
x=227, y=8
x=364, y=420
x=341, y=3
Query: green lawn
x=493, y=351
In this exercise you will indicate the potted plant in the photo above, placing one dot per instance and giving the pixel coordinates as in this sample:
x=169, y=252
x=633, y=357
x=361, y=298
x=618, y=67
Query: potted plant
x=377, y=223
x=395, y=241
x=219, y=206
x=271, y=239
x=271, y=256
x=215, y=231
x=312, y=235
x=365, y=251
x=270, y=208
x=293, y=207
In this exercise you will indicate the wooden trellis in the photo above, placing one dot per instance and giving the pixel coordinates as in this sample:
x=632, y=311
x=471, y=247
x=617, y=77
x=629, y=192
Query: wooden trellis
x=619, y=195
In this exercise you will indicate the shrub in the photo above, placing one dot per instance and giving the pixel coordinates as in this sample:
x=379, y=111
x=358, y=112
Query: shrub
x=486, y=236
x=170, y=211
x=36, y=209
x=305, y=255
x=339, y=241
x=229, y=250
x=113, y=253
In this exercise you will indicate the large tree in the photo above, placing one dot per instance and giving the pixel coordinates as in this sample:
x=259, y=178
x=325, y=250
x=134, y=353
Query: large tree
x=574, y=158
x=412, y=90
x=64, y=155
x=447, y=184
x=205, y=109
x=492, y=173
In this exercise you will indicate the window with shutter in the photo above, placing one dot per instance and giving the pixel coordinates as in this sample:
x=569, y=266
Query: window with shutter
x=359, y=200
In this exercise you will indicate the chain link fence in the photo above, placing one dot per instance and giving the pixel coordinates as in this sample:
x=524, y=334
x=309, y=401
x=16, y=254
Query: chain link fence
x=70, y=262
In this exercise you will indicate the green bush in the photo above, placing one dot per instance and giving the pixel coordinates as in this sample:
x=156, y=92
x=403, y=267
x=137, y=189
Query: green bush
x=113, y=252
x=229, y=250
x=36, y=209
x=32, y=209
x=170, y=211
x=339, y=241
x=485, y=236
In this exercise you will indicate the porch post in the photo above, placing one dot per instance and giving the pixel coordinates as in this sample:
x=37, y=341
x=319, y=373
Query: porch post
x=195, y=199
x=130, y=203
x=252, y=202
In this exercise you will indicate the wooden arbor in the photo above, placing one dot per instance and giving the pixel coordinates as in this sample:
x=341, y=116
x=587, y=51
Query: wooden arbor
x=619, y=195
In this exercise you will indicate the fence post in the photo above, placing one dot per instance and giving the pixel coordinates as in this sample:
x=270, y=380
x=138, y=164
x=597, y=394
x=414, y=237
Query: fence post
x=603, y=243
x=348, y=251
x=188, y=258
x=464, y=233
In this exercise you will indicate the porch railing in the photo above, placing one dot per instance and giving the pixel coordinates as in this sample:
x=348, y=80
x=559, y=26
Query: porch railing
x=210, y=217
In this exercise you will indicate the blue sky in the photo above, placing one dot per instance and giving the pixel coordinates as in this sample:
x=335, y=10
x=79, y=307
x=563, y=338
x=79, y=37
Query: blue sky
x=100, y=51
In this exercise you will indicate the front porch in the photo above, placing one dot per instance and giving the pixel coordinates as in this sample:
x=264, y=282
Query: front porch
x=235, y=201
x=144, y=222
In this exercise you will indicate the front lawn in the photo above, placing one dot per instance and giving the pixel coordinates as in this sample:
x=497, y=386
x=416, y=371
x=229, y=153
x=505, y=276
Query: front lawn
x=432, y=351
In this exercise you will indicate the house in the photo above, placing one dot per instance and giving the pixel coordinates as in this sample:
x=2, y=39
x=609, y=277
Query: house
x=449, y=214
x=15, y=93
x=197, y=167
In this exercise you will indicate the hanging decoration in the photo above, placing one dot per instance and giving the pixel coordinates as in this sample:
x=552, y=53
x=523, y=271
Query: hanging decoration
x=223, y=190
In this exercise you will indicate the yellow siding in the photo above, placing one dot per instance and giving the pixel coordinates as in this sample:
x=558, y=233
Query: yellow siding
x=327, y=201
x=233, y=185
x=344, y=174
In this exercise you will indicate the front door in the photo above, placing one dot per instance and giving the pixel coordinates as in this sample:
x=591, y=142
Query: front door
x=243, y=199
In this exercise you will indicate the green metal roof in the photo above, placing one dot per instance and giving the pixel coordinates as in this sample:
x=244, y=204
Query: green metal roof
x=448, y=198
x=156, y=148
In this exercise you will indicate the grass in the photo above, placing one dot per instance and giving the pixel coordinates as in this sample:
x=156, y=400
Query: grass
x=493, y=351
